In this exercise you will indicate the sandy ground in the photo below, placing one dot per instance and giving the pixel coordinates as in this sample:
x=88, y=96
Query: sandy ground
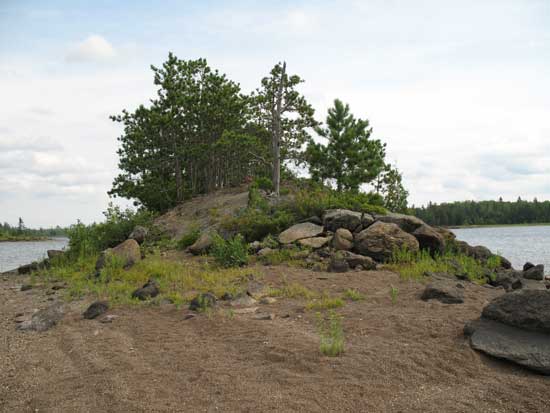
x=407, y=357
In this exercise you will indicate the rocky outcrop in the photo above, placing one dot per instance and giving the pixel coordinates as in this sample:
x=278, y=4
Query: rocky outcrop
x=407, y=223
x=138, y=234
x=342, y=240
x=380, y=239
x=341, y=218
x=300, y=231
x=447, y=234
x=128, y=252
x=508, y=279
x=149, y=290
x=445, y=291
x=429, y=239
x=535, y=272
x=515, y=327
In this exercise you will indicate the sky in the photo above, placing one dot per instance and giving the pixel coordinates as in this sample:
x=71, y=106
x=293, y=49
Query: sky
x=459, y=90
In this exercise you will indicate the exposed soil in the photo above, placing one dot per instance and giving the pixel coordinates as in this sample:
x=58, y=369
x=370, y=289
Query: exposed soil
x=407, y=357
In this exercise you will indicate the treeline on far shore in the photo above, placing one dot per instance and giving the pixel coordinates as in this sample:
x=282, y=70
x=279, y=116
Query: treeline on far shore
x=21, y=233
x=463, y=213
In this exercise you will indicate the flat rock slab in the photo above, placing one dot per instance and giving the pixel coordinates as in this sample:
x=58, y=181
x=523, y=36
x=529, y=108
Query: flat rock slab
x=445, y=291
x=527, y=348
x=300, y=231
x=315, y=242
x=44, y=319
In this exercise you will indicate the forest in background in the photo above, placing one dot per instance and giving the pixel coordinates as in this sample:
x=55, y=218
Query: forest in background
x=21, y=232
x=485, y=212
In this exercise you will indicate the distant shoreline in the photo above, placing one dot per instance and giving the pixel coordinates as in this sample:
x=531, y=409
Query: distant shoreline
x=498, y=225
x=23, y=239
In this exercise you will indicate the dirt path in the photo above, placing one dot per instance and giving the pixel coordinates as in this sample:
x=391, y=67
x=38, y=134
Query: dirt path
x=407, y=357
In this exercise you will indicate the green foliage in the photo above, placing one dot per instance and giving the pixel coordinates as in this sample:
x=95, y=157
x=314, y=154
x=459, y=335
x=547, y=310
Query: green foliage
x=350, y=158
x=264, y=183
x=86, y=240
x=229, y=253
x=394, y=292
x=256, y=224
x=353, y=295
x=188, y=239
x=331, y=334
x=325, y=303
x=22, y=233
x=390, y=185
x=293, y=290
x=499, y=212
x=415, y=265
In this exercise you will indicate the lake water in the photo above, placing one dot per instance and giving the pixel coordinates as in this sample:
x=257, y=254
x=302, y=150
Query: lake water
x=517, y=243
x=14, y=254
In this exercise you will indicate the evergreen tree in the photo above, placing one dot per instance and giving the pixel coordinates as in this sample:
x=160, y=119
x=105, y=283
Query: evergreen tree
x=350, y=158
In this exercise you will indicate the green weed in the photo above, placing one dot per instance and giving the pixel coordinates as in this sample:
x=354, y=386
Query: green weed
x=353, y=295
x=331, y=334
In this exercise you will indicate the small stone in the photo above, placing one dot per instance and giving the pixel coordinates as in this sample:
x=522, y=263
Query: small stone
x=264, y=316
x=534, y=273
x=25, y=287
x=444, y=292
x=227, y=297
x=95, y=309
x=188, y=316
x=243, y=301
x=257, y=290
x=202, y=301
x=245, y=310
x=149, y=290
x=108, y=318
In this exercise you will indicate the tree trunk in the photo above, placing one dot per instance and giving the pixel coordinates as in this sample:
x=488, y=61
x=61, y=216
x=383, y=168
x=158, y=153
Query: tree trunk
x=179, y=177
x=277, y=135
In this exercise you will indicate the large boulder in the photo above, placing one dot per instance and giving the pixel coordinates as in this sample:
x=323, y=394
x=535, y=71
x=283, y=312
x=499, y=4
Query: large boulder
x=407, y=223
x=429, y=239
x=139, y=234
x=128, y=252
x=445, y=291
x=381, y=239
x=446, y=233
x=526, y=309
x=202, y=244
x=527, y=348
x=478, y=252
x=341, y=218
x=300, y=231
x=534, y=273
x=508, y=279
x=342, y=240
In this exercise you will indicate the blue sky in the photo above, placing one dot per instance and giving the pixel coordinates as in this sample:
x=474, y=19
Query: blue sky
x=460, y=91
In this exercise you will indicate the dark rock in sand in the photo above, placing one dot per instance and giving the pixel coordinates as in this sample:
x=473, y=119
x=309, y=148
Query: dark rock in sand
x=338, y=264
x=444, y=291
x=95, y=309
x=534, y=273
x=509, y=279
x=525, y=309
x=202, y=301
x=527, y=348
x=25, y=287
x=44, y=319
x=149, y=290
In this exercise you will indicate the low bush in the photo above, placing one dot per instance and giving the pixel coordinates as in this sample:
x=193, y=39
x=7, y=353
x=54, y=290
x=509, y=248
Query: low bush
x=188, y=239
x=229, y=253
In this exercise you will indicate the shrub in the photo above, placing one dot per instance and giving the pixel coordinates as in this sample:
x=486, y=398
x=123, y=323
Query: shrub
x=188, y=239
x=256, y=224
x=229, y=253
x=264, y=183
x=331, y=334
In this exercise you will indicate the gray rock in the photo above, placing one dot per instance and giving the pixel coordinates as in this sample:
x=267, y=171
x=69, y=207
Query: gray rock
x=255, y=246
x=509, y=279
x=95, y=309
x=202, y=302
x=265, y=251
x=257, y=290
x=44, y=319
x=407, y=223
x=380, y=240
x=526, y=348
x=356, y=260
x=342, y=240
x=25, y=287
x=341, y=218
x=128, y=252
x=54, y=253
x=243, y=300
x=444, y=291
x=338, y=264
x=504, y=262
x=528, y=265
x=300, y=231
x=138, y=234
x=526, y=309
x=149, y=290
x=429, y=239
x=314, y=242
x=534, y=273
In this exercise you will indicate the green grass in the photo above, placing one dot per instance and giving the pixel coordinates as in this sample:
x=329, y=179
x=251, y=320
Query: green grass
x=188, y=239
x=293, y=290
x=325, y=303
x=290, y=257
x=353, y=295
x=331, y=334
x=178, y=281
x=394, y=292
x=415, y=265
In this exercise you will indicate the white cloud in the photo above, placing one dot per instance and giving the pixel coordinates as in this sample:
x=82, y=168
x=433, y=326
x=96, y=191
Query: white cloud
x=93, y=48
